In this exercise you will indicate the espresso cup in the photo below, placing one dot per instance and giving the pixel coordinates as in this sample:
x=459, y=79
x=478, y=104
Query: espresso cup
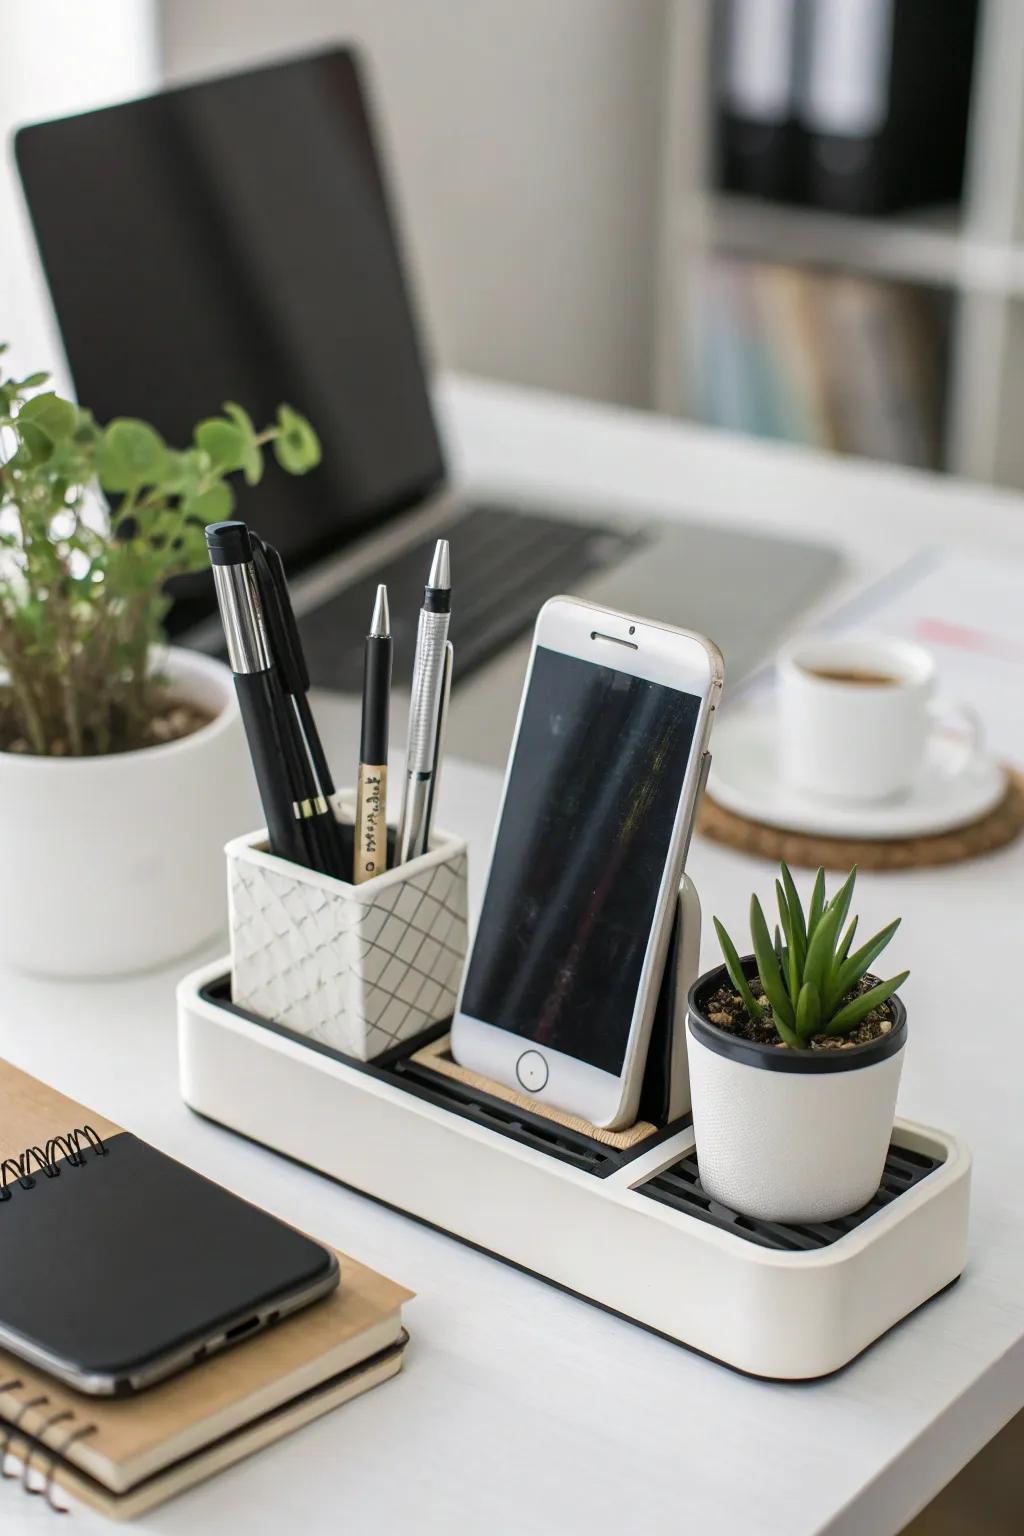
x=857, y=714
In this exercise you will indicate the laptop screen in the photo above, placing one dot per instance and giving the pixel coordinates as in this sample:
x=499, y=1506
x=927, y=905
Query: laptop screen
x=232, y=240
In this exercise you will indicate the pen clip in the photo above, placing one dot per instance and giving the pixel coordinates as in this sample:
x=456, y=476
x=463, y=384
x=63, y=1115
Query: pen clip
x=439, y=735
x=284, y=632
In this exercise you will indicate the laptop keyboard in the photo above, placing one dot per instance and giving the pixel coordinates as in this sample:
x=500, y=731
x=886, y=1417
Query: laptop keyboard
x=505, y=564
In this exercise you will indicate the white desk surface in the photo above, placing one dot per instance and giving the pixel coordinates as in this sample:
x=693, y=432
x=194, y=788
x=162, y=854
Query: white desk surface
x=522, y=1409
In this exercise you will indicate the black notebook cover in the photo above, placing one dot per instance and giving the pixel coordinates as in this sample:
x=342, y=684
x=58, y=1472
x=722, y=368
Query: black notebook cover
x=118, y=1254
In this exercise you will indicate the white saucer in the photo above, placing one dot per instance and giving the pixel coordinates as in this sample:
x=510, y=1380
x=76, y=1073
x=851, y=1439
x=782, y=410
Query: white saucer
x=745, y=779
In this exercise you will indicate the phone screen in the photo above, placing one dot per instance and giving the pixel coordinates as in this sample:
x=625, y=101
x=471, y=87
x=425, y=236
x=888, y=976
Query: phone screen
x=585, y=829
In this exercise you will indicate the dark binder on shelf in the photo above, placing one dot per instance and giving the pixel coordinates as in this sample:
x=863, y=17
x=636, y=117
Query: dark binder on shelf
x=758, y=145
x=883, y=102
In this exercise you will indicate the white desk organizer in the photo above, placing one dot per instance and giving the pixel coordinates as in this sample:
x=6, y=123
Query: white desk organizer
x=630, y=1230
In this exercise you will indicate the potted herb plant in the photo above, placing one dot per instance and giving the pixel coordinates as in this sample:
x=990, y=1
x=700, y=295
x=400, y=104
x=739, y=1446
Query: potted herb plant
x=122, y=761
x=795, y=1054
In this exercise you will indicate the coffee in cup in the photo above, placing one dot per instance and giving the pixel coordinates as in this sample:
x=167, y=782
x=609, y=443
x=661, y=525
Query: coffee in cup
x=856, y=713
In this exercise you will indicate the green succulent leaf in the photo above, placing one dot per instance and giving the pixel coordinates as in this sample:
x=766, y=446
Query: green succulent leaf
x=796, y=914
x=844, y=896
x=821, y=948
x=808, y=1012
x=131, y=454
x=834, y=989
x=736, y=976
x=817, y=906
x=858, y=1008
x=847, y=940
x=768, y=966
x=297, y=447
x=853, y=968
x=790, y=1036
x=792, y=967
x=823, y=972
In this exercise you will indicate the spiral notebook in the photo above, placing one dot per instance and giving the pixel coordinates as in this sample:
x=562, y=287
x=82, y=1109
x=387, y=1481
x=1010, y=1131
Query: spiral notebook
x=124, y=1455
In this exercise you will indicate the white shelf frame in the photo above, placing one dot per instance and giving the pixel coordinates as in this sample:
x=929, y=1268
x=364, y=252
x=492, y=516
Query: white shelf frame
x=976, y=252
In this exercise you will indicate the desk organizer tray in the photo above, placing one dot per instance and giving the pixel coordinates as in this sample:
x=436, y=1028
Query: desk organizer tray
x=628, y=1228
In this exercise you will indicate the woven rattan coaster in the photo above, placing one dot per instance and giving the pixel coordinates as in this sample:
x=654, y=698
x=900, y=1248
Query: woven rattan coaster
x=438, y=1057
x=1002, y=825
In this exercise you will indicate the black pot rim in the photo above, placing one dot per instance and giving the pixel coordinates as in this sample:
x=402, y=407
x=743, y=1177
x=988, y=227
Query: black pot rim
x=770, y=1058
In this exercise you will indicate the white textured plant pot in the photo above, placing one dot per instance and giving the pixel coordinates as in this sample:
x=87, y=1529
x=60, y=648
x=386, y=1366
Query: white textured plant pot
x=114, y=864
x=790, y=1136
x=359, y=968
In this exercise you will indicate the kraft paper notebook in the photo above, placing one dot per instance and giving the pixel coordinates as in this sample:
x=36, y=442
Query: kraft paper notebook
x=124, y=1455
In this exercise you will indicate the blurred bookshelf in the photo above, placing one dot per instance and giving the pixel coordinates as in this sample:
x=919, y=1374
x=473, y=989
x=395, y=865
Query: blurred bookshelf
x=899, y=335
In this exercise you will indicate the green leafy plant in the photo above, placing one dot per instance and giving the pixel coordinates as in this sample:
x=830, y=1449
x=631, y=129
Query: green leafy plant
x=82, y=595
x=810, y=979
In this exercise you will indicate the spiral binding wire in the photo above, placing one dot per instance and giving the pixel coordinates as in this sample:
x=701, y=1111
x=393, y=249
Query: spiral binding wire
x=23, y=1170
x=35, y=1160
x=12, y=1431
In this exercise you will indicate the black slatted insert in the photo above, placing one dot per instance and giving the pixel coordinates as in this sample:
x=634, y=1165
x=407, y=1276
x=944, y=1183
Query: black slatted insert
x=420, y=1080
x=680, y=1187
x=559, y=1141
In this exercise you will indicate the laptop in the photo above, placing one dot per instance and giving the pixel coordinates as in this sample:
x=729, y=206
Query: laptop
x=235, y=239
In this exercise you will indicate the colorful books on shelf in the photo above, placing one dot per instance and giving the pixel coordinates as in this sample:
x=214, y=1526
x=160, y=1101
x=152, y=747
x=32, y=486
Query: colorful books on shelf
x=849, y=363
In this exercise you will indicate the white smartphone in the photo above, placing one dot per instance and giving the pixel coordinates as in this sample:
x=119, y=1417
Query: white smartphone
x=607, y=764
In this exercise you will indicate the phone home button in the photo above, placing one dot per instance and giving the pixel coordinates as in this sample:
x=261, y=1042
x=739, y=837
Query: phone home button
x=532, y=1071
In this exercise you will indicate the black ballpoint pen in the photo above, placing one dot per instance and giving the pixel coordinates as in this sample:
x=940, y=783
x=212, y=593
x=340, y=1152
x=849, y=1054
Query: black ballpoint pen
x=261, y=698
x=292, y=660
x=306, y=762
x=370, y=851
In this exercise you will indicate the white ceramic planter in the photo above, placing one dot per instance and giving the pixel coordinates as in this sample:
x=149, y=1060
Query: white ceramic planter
x=115, y=864
x=790, y=1136
x=357, y=967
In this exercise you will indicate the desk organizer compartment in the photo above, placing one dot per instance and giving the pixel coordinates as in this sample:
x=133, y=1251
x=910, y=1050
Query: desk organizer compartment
x=629, y=1230
x=680, y=1187
x=356, y=967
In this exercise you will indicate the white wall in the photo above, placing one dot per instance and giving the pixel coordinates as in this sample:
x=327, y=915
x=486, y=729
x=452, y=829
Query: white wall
x=524, y=143
x=56, y=57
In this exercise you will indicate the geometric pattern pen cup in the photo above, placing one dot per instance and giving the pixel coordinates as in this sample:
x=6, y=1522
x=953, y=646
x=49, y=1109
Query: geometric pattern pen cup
x=356, y=967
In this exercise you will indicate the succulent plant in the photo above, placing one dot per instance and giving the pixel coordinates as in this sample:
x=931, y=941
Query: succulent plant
x=809, y=977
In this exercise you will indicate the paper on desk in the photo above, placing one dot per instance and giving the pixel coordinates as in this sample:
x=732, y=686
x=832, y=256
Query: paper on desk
x=969, y=612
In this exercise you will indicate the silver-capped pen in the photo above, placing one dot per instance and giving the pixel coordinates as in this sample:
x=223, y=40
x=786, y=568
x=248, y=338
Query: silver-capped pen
x=425, y=705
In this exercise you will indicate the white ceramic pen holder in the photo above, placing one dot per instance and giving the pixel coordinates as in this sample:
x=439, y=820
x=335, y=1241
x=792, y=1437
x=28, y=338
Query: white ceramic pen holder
x=358, y=968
